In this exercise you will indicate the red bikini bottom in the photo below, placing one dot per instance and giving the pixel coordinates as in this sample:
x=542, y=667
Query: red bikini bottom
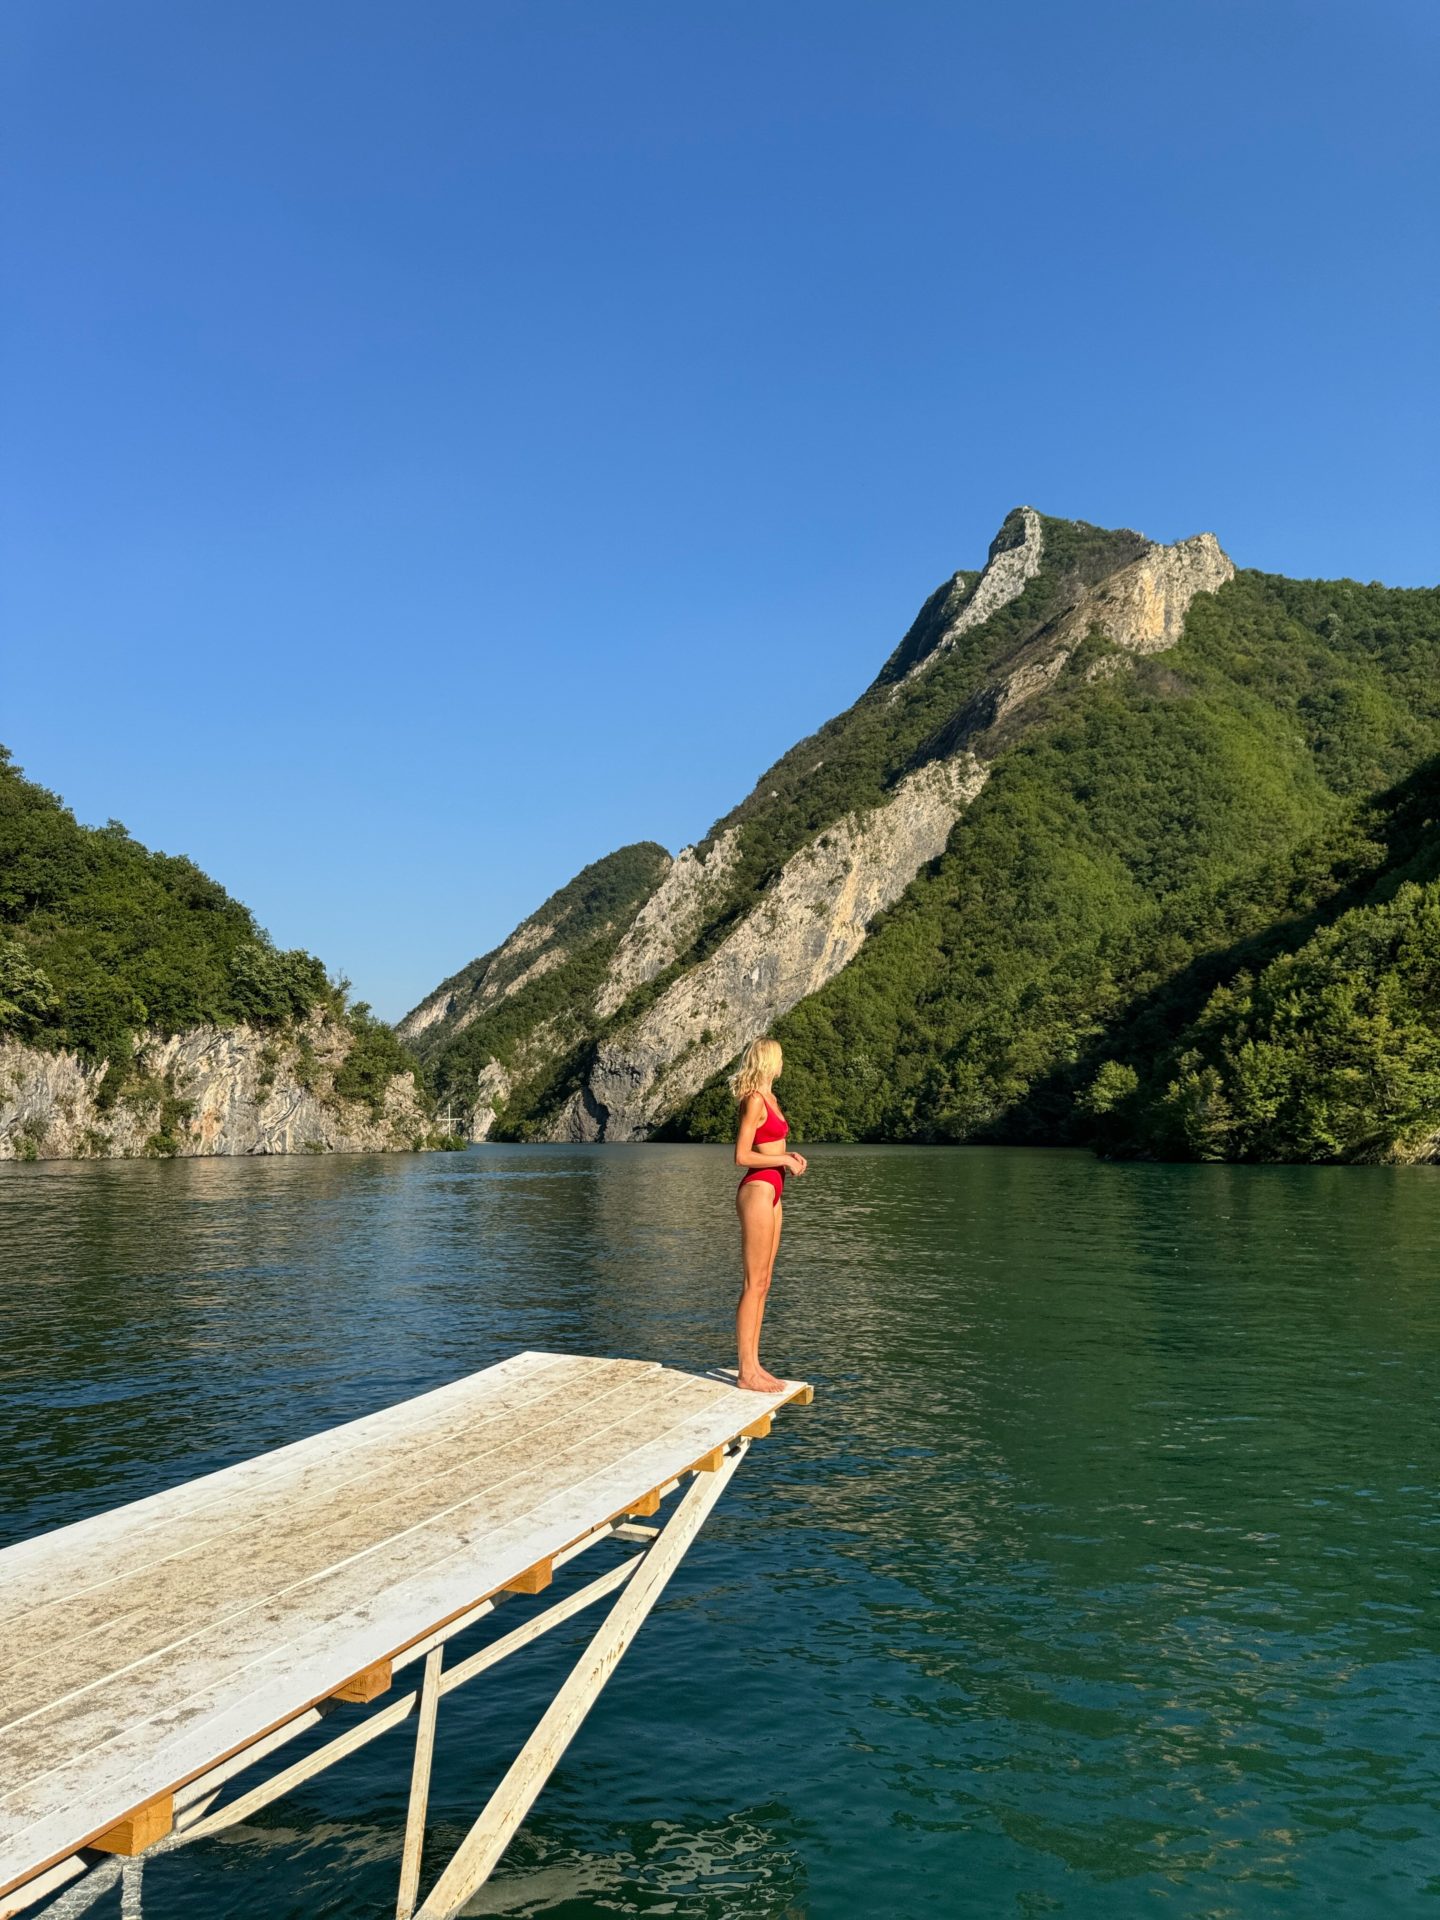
x=773, y=1176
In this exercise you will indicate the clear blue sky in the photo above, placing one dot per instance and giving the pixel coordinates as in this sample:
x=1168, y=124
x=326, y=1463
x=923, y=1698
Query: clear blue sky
x=447, y=440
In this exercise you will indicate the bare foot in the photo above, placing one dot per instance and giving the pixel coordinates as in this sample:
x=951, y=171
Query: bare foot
x=772, y=1385
x=755, y=1382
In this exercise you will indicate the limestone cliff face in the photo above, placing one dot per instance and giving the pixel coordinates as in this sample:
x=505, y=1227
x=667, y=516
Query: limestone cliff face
x=591, y=913
x=492, y=1090
x=491, y=980
x=926, y=733
x=1006, y=572
x=1143, y=607
x=670, y=919
x=814, y=920
x=803, y=931
x=232, y=1090
x=1140, y=608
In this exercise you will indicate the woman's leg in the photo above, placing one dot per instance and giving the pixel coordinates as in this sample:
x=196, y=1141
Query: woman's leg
x=755, y=1203
x=777, y=1217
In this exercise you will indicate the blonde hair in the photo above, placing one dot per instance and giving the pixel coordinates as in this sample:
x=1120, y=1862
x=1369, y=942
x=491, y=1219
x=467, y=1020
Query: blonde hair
x=759, y=1069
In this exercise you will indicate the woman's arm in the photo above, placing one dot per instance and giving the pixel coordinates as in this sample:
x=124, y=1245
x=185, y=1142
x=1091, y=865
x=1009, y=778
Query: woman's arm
x=752, y=1112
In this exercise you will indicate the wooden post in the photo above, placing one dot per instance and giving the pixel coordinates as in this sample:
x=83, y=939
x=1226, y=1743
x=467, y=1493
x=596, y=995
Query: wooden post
x=419, y=1786
x=534, y=1579
x=130, y=1875
x=139, y=1829
x=367, y=1685
x=482, y=1847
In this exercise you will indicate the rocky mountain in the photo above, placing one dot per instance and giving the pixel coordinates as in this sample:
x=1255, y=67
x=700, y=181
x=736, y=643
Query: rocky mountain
x=209, y=1090
x=518, y=1014
x=1084, y=768
x=143, y=1012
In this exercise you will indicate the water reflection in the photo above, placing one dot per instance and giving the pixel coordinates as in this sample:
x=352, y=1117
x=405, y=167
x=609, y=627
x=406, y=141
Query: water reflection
x=1099, y=1576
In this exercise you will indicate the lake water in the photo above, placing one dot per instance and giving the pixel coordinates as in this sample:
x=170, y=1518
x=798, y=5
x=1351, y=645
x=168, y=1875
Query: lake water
x=1098, y=1581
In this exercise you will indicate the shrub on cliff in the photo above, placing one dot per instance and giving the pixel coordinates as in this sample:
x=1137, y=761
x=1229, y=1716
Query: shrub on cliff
x=101, y=938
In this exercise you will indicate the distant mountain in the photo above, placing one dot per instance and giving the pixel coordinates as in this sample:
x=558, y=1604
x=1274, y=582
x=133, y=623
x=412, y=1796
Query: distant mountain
x=143, y=1011
x=994, y=899
x=527, y=1009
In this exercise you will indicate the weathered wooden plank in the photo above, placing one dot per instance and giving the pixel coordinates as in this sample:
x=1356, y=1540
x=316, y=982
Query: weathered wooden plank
x=82, y=1757
x=92, y=1555
x=492, y=1525
x=98, y=1633
x=188, y=1496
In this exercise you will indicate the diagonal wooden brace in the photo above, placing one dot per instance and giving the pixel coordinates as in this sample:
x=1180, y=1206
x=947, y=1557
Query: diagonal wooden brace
x=480, y=1851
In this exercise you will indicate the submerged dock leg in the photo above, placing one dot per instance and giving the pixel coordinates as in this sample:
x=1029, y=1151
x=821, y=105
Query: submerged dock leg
x=419, y=1785
x=130, y=1880
x=487, y=1840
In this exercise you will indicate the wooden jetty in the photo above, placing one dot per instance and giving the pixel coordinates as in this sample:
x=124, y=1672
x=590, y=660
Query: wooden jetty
x=152, y=1655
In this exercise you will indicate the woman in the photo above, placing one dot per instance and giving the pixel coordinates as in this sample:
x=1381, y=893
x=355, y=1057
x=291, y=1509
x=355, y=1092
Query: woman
x=759, y=1146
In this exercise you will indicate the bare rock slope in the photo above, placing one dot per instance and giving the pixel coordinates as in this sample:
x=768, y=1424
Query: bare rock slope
x=727, y=939
x=802, y=932
x=213, y=1090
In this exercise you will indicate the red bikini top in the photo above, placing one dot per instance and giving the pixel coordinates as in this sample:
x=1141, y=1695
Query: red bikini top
x=772, y=1127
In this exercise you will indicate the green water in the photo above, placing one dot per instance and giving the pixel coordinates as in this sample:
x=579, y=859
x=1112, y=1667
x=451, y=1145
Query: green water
x=1098, y=1581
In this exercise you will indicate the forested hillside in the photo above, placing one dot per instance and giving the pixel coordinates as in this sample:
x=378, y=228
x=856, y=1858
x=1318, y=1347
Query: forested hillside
x=104, y=943
x=1319, y=1038
x=534, y=996
x=1178, y=900
x=1146, y=821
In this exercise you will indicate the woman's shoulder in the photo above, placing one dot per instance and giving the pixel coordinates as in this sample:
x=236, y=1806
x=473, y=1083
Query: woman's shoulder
x=752, y=1102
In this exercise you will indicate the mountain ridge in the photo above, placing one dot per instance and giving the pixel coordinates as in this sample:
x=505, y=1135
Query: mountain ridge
x=1057, y=601
x=957, y=901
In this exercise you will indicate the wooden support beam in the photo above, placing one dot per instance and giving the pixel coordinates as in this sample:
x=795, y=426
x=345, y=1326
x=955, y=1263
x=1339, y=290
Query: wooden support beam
x=758, y=1429
x=367, y=1685
x=710, y=1462
x=378, y=1723
x=472, y=1864
x=647, y=1504
x=803, y=1398
x=419, y=1786
x=534, y=1579
x=139, y=1829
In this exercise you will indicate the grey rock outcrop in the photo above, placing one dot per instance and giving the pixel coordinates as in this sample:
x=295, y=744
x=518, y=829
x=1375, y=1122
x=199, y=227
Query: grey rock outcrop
x=670, y=919
x=1003, y=580
x=1142, y=607
x=492, y=1088
x=487, y=983
x=597, y=906
x=803, y=931
x=213, y=1090
x=814, y=919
